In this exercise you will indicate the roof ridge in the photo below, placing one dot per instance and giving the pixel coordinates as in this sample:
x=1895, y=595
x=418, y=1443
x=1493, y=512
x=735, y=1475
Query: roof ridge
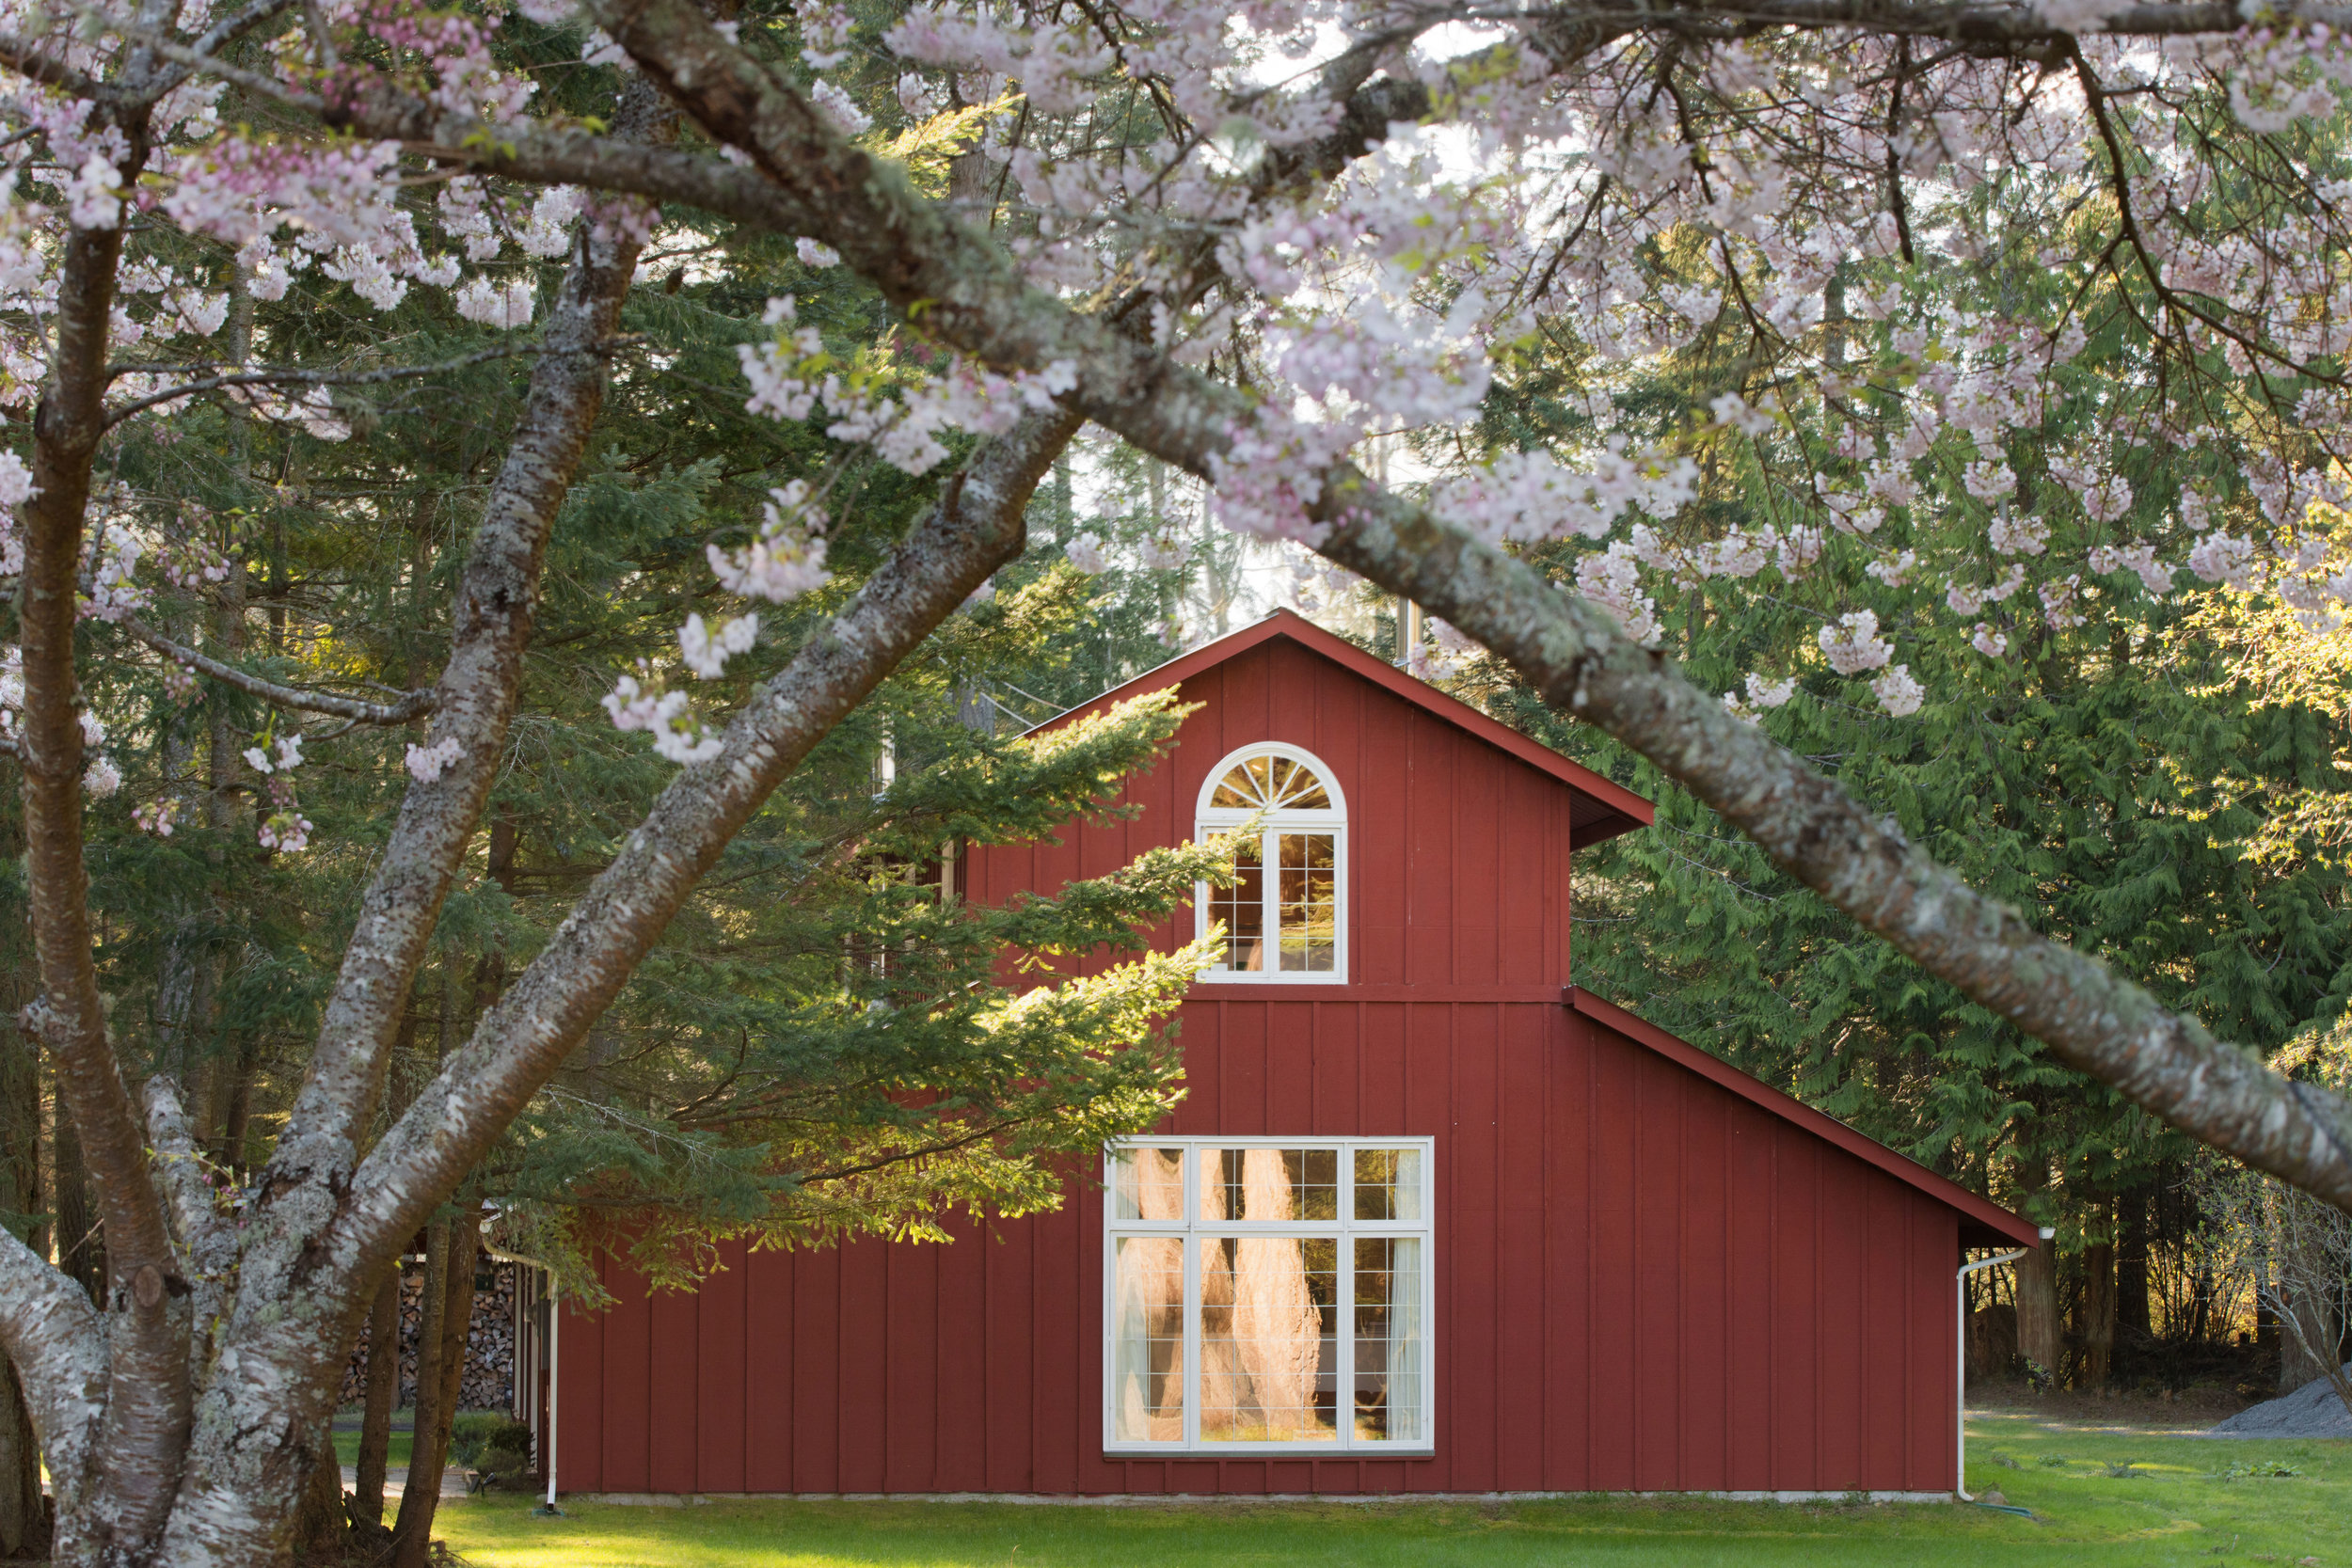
x=1625, y=809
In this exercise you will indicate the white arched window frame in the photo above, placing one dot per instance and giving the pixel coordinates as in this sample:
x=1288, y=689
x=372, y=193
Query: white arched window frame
x=1286, y=918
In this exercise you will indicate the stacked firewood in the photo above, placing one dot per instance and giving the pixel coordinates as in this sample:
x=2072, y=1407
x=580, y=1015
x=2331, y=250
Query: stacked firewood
x=489, y=1342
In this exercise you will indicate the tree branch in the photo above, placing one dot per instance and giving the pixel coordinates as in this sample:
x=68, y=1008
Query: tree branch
x=207, y=1241
x=288, y=1356
x=973, y=528
x=412, y=706
x=147, y=1403
x=52, y=1332
x=312, y=378
x=1569, y=649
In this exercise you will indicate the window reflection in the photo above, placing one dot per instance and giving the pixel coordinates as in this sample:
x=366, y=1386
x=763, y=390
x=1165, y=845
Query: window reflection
x=1388, y=1183
x=1147, y=1358
x=1148, y=1183
x=1391, y=1347
x=1309, y=916
x=1270, y=1185
x=1285, y=1304
x=1242, y=908
x=1269, y=1312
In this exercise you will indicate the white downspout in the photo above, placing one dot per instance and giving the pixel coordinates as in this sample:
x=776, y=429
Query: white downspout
x=1960, y=1366
x=555, y=1344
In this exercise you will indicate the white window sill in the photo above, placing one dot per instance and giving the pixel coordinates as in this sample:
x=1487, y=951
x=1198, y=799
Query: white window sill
x=1277, y=977
x=1277, y=1450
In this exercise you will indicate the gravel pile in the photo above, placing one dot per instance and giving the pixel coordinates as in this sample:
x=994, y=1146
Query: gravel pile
x=2311, y=1411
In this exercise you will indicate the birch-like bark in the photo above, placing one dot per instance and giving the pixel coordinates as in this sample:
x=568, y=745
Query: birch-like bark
x=1568, y=649
x=53, y=1333
x=473, y=704
x=241, y=1480
x=296, y=1310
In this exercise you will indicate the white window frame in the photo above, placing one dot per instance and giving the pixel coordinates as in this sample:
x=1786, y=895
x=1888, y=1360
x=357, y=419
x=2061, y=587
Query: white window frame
x=1347, y=1229
x=1208, y=819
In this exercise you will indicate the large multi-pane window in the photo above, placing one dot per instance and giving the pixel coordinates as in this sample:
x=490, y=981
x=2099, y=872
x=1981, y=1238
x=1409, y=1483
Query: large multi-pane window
x=1285, y=915
x=1267, y=1293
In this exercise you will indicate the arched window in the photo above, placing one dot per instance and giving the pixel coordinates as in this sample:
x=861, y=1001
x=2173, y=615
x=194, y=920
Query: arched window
x=1285, y=916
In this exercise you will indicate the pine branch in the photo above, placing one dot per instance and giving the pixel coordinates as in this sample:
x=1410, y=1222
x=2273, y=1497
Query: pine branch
x=412, y=706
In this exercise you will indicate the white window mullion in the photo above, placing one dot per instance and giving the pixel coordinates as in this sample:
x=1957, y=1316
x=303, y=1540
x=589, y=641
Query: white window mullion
x=1193, y=1389
x=1270, y=897
x=1344, y=1358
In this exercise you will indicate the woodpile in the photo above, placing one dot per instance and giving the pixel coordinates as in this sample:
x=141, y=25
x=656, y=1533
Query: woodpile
x=489, y=1343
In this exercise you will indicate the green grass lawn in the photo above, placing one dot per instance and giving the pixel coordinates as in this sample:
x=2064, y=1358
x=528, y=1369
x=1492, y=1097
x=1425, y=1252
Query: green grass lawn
x=2181, y=1501
x=396, y=1450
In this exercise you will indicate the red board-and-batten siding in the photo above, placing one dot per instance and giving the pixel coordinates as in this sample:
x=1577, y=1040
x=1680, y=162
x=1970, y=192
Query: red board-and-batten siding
x=1653, y=1274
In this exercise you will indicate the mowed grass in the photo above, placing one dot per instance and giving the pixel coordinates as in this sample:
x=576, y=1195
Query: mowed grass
x=2182, y=1500
x=397, y=1449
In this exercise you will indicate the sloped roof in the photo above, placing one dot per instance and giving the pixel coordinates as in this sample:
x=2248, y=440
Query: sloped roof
x=1602, y=809
x=1982, y=1221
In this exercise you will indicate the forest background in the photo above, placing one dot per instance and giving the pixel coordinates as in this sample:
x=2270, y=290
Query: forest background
x=823, y=1045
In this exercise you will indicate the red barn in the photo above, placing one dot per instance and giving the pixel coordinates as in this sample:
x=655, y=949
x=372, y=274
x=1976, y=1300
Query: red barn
x=1430, y=1219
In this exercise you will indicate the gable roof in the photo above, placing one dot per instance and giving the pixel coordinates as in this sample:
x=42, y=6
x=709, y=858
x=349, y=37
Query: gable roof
x=1602, y=809
x=1982, y=1221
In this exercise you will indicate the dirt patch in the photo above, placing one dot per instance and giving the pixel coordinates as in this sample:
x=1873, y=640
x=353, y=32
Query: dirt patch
x=2192, y=1408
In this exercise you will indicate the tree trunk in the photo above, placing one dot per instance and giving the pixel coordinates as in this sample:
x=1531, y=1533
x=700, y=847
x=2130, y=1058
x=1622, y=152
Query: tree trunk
x=2039, y=1339
x=2134, y=1326
x=2305, y=1342
x=23, y=1511
x=444, y=1340
x=2098, y=1316
x=321, y=1528
x=376, y=1426
x=431, y=1305
x=81, y=1246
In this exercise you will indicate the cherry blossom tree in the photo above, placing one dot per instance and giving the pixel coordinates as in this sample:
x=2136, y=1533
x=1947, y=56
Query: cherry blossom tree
x=1244, y=240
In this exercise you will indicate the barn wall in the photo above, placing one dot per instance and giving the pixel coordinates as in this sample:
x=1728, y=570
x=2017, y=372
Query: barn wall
x=1645, y=1283
x=1458, y=852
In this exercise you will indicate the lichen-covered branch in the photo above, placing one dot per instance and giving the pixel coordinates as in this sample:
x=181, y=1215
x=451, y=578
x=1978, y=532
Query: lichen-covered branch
x=52, y=1332
x=245, y=1472
x=412, y=706
x=976, y=528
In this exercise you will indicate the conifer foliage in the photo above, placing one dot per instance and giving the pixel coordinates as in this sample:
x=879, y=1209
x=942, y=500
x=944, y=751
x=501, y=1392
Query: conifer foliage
x=484, y=485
